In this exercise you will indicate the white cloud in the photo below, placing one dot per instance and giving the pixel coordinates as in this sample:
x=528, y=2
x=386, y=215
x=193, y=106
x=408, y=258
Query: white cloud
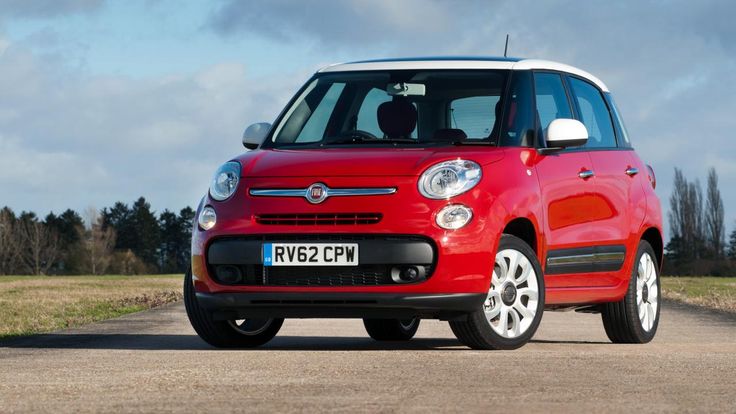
x=71, y=140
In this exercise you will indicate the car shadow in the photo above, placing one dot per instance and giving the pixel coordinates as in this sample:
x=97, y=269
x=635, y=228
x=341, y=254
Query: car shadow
x=179, y=342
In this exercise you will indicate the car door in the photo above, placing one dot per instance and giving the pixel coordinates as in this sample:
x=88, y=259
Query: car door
x=566, y=189
x=617, y=191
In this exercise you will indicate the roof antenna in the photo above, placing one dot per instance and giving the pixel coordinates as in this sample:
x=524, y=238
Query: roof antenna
x=506, y=48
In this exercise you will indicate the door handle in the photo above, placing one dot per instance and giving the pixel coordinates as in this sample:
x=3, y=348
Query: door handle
x=585, y=174
x=632, y=171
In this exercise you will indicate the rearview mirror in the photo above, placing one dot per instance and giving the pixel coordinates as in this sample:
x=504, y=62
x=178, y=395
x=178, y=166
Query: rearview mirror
x=563, y=133
x=406, y=89
x=255, y=134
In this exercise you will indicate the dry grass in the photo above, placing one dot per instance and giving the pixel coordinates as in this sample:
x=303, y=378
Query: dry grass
x=31, y=304
x=711, y=292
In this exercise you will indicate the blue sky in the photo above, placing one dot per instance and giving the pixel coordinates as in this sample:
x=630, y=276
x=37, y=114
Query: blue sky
x=107, y=100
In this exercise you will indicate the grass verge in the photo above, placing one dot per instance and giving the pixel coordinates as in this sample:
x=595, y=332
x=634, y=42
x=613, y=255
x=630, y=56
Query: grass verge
x=36, y=304
x=717, y=293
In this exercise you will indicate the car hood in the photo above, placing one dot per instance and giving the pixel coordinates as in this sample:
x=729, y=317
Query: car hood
x=342, y=162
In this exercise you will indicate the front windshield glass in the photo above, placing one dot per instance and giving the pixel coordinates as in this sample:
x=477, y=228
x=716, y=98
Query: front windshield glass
x=394, y=108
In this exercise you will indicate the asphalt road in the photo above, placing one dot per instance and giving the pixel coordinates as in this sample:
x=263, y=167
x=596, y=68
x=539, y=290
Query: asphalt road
x=153, y=362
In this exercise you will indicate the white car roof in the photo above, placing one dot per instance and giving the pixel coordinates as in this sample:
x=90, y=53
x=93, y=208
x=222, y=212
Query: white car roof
x=462, y=63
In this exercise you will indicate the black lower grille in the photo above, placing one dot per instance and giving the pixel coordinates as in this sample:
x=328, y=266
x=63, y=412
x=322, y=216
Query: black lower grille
x=371, y=275
x=363, y=275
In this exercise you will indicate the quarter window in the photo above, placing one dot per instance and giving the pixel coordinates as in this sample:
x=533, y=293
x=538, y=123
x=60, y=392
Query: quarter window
x=593, y=114
x=551, y=99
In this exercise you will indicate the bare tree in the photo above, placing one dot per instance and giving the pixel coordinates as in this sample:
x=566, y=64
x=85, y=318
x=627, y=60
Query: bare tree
x=39, y=246
x=686, y=217
x=98, y=242
x=714, y=216
x=695, y=217
x=8, y=242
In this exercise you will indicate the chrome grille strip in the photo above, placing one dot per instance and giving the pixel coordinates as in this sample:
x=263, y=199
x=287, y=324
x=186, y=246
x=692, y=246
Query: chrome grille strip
x=331, y=192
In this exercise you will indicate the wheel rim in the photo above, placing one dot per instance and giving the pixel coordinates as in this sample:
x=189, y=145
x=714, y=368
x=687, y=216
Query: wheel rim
x=408, y=324
x=647, y=292
x=250, y=327
x=511, y=304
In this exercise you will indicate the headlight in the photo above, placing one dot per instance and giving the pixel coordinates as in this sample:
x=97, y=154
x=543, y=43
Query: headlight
x=207, y=218
x=225, y=181
x=448, y=179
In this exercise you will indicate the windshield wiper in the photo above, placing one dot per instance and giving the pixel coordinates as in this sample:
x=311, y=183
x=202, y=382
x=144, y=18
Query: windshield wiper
x=355, y=139
x=474, y=142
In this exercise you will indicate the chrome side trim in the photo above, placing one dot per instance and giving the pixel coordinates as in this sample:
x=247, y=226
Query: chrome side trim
x=609, y=257
x=571, y=260
x=586, y=259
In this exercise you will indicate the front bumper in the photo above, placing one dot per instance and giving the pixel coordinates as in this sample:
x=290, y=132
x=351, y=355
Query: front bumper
x=229, y=306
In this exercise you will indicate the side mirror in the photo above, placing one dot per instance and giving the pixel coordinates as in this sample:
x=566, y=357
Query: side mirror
x=255, y=134
x=564, y=133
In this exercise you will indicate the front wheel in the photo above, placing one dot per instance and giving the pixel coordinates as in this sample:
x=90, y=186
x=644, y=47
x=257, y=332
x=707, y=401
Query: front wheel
x=391, y=329
x=241, y=333
x=513, y=308
x=634, y=319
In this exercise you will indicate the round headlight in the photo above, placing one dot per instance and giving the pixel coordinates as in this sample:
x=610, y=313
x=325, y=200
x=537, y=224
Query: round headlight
x=225, y=181
x=448, y=179
x=207, y=218
x=454, y=216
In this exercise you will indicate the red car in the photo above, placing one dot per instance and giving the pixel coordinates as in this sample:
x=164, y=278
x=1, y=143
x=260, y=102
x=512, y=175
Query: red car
x=480, y=191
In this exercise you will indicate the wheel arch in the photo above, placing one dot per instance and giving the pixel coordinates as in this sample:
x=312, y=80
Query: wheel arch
x=523, y=228
x=654, y=237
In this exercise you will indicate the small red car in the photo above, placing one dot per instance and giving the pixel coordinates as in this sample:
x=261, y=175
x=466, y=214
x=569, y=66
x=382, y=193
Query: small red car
x=480, y=191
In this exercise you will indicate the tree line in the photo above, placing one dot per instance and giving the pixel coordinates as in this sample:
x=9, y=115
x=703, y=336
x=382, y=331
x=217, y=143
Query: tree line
x=120, y=239
x=124, y=239
x=697, y=245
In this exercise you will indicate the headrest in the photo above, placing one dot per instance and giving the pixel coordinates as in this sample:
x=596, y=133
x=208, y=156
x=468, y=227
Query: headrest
x=449, y=134
x=397, y=118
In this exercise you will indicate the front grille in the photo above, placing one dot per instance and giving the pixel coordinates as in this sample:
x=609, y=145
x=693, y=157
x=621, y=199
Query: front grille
x=328, y=219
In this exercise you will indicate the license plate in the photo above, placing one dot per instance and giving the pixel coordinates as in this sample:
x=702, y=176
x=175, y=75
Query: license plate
x=310, y=254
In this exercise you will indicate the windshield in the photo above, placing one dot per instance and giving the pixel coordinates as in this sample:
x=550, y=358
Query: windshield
x=394, y=108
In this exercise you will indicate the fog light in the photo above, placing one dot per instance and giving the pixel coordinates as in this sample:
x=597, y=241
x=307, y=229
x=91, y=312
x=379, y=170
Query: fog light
x=228, y=274
x=454, y=216
x=207, y=218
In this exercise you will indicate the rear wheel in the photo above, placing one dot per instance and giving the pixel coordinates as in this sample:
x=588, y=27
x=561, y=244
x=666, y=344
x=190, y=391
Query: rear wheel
x=241, y=333
x=634, y=319
x=511, y=313
x=391, y=329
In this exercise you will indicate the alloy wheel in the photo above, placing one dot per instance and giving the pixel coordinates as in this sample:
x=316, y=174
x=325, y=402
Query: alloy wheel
x=512, y=300
x=647, y=292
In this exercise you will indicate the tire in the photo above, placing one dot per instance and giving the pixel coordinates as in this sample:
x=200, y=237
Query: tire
x=634, y=319
x=391, y=329
x=246, y=333
x=510, y=315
